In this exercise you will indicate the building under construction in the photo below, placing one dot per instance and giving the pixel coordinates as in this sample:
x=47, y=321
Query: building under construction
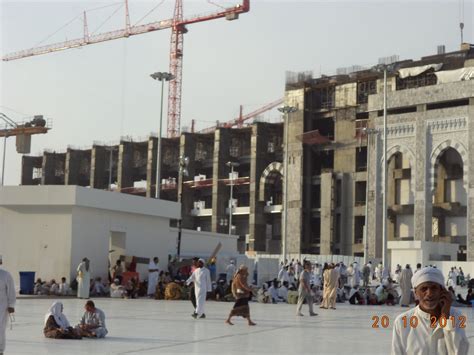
x=430, y=186
x=127, y=166
x=430, y=170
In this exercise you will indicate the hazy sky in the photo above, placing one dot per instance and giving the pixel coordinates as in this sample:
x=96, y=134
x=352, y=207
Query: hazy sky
x=103, y=91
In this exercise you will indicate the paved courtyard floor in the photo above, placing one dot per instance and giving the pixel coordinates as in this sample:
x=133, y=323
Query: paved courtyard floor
x=166, y=327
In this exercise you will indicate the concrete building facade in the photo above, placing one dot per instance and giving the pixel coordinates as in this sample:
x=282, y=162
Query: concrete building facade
x=430, y=115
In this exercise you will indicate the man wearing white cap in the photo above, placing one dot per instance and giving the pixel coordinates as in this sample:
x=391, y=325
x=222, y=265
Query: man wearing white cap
x=202, y=285
x=7, y=303
x=432, y=327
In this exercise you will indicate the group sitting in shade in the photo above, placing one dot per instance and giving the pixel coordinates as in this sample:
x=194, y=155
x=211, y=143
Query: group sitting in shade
x=57, y=326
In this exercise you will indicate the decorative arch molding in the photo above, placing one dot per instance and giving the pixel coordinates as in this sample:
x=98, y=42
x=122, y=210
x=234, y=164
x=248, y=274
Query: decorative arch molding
x=408, y=153
x=268, y=176
x=436, y=154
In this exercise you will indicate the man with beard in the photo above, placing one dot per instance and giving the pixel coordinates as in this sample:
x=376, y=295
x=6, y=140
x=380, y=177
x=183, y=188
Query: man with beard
x=420, y=330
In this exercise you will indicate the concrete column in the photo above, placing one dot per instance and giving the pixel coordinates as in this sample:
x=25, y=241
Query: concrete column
x=374, y=216
x=53, y=168
x=28, y=163
x=151, y=166
x=347, y=218
x=327, y=220
x=99, y=172
x=423, y=205
x=187, y=148
x=294, y=175
x=220, y=192
x=75, y=161
x=125, y=163
x=258, y=151
x=470, y=206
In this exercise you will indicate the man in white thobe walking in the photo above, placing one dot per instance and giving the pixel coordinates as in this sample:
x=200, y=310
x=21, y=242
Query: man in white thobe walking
x=83, y=279
x=7, y=303
x=153, y=276
x=202, y=285
x=433, y=327
x=355, y=281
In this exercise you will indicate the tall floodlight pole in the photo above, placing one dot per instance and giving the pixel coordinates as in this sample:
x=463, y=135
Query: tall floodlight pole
x=231, y=165
x=160, y=76
x=385, y=170
x=286, y=110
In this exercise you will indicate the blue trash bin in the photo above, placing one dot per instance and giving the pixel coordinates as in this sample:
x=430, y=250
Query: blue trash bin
x=27, y=282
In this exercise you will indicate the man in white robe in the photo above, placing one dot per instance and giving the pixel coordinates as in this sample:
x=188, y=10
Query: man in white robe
x=378, y=272
x=202, y=285
x=435, y=303
x=405, y=286
x=355, y=281
x=7, y=303
x=283, y=275
x=153, y=276
x=83, y=279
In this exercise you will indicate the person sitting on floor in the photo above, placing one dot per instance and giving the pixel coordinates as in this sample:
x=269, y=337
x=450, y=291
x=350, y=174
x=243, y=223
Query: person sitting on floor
x=92, y=323
x=263, y=296
x=283, y=292
x=132, y=288
x=469, y=298
x=56, y=325
x=53, y=288
x=220, y=290
x=99, y=288
x=273, y=290
x=40, y=288
x=355, y=297
x=117, y=290
x=173, y=291
x=370, y=297
x=64, y=289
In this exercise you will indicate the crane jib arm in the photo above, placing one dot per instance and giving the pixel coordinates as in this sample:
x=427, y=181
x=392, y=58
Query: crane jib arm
x=230, y=13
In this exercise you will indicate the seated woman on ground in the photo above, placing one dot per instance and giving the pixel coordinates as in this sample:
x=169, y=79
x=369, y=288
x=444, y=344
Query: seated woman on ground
x=173, y=291
x=56, y=325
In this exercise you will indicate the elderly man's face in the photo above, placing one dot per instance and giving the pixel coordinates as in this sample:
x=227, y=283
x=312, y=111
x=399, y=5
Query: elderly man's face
x=429, y=293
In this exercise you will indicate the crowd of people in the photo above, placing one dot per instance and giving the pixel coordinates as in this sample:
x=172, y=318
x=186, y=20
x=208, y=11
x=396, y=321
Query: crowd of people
x=366, y=285
x=296, y=282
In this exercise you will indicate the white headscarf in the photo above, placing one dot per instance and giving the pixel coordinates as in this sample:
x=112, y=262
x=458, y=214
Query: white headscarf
x=56, y=311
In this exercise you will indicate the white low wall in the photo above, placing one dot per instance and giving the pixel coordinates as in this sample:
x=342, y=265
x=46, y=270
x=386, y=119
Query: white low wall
x=413, y=252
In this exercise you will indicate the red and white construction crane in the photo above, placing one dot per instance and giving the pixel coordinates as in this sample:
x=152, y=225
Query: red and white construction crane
x=239, y=121
x=178, y=29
